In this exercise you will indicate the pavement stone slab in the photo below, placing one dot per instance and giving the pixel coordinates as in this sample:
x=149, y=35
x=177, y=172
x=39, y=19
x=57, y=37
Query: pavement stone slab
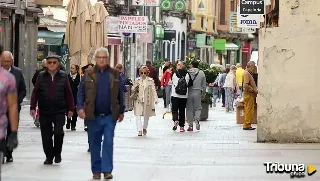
x=221, y=150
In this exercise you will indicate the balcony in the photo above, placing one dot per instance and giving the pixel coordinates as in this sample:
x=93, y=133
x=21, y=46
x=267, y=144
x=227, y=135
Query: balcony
x=49, y=2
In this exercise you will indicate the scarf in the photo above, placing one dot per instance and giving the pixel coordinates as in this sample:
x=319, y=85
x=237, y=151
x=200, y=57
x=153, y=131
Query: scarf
x=73, y=76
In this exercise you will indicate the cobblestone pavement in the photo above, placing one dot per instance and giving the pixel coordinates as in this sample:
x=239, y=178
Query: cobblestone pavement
x=220, y=151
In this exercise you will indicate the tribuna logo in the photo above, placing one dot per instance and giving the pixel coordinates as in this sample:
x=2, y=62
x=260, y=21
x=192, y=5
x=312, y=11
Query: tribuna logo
x=295, y=170
x=248, y=22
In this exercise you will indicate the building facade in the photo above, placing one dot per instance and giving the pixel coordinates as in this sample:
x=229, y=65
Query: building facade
x=288, y=96
x=18, y=34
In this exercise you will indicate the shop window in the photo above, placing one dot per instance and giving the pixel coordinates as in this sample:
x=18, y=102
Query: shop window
x=202, y=22
x=232, y=5
x=222, y=12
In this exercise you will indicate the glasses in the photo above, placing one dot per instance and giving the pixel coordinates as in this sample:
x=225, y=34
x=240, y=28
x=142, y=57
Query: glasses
x=52, y=62
x=143, y=73
x=101, y=58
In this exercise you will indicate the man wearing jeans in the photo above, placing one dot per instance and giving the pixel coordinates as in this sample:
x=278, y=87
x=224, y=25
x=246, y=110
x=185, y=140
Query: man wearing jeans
x=102, y=90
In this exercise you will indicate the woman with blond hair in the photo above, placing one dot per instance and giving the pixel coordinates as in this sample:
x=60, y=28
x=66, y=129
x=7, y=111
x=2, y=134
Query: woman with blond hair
x=145, y=97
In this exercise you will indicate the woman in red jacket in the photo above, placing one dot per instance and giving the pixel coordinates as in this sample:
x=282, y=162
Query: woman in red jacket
x=166, y=84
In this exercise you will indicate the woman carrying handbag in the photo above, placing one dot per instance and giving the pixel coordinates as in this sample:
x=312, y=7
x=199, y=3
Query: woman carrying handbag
x=144, y=96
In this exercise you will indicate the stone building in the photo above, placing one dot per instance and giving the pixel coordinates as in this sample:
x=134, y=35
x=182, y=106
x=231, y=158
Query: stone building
x=289, y=99
x=18, y=33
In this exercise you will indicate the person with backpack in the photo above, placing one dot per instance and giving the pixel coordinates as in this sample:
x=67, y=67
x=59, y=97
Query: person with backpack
x=195, y=95
x=180, y=82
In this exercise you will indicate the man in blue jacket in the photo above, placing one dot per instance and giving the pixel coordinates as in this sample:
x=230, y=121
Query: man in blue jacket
x=101, y=91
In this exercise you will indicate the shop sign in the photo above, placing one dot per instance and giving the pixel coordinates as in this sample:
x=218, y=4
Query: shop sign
x=166, y=5
x=233, y=25
x=246, y=48
x=146, y=37
x=192, y=43
x=112, y=23
x=133, y=24
x=219, y=44
x=209, y=40
x=252, y=7
x=201, y=40
x=248, y=20
x=179, y=5
x=169, y=35
x=145, y=2
x=159, y=32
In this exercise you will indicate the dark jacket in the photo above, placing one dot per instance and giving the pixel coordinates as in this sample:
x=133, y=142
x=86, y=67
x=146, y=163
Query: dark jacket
x=123, y=79
x=35, y=76
x=74, y=84
x=153, y=74
x=87, y=94
x=20, y=84
x=53, y=96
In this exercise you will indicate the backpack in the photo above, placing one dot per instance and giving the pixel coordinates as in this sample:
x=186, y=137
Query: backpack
x=182, y=86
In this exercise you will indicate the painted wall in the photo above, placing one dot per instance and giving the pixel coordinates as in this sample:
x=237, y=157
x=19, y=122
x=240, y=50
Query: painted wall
x=289, y=96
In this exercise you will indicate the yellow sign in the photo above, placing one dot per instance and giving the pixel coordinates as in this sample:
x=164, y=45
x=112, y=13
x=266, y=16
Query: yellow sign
x=311, y=169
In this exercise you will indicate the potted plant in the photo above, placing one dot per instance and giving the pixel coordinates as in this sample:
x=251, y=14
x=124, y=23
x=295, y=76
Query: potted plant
x=205, y=103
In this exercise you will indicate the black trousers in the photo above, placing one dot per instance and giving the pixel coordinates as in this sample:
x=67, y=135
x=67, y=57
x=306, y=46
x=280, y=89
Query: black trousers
x=179, y=110
x=52, y=126
x=73, y=120
x=164, y=97
x=223, y=95
x=7, y=151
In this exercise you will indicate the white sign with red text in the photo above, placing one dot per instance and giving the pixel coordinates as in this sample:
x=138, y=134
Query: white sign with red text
x=133, y=24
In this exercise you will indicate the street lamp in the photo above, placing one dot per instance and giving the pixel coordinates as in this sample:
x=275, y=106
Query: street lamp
x=192, y=19
x=201, y=6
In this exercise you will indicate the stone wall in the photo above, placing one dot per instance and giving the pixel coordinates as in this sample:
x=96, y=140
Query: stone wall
x=289, y=83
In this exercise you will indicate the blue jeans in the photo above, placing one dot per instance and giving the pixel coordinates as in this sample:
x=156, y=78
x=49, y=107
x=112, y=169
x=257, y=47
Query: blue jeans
x=101, y=126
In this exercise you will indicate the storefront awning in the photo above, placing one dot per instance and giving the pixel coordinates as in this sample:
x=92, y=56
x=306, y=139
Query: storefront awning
x=114, y=41
x=57, y=29
x=50, y=38
x=231, y=46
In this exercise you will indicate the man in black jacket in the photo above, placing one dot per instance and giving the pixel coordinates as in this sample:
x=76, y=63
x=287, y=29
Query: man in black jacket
x=7, y=63
x=54, y=96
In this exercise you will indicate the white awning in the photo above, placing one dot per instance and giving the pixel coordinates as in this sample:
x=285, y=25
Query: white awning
x=231, y=46
x=57, y=29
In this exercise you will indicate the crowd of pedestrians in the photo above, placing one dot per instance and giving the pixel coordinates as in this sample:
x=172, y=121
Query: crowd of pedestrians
x=96, y=95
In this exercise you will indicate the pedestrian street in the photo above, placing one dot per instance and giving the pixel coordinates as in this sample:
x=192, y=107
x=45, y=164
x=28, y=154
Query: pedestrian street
x=221, y=150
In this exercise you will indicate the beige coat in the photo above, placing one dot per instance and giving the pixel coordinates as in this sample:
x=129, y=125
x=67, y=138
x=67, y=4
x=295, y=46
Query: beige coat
x=147, y=97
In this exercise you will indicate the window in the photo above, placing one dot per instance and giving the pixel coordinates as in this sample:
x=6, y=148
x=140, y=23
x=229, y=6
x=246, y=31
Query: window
x=222, y=12
x=202, y=22
x=232, y=5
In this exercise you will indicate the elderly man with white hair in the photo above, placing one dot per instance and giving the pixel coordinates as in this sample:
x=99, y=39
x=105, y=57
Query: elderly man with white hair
x=250, y=92
x=102, y=91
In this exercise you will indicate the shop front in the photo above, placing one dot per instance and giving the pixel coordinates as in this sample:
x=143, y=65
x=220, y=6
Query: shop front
x=204, y=48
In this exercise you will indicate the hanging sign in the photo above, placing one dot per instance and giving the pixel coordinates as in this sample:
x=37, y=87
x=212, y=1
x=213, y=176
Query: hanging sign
x=151, y=2
x=179, y=5
x=233, y=25
x=166, y=5
x=145, y=2
x=133, y=24
x=137, y=2
x=252, y=7
x=248, y=20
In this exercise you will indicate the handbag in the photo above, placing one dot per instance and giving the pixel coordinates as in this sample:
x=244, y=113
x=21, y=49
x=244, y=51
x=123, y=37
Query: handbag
x=134, y=94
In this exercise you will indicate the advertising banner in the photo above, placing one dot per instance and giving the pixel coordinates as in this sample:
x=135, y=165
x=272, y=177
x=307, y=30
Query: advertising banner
x=233, y=25
x=248, y=20
x=133, y=24
x=112, y=23
x=146, y=37
x=252, y=7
